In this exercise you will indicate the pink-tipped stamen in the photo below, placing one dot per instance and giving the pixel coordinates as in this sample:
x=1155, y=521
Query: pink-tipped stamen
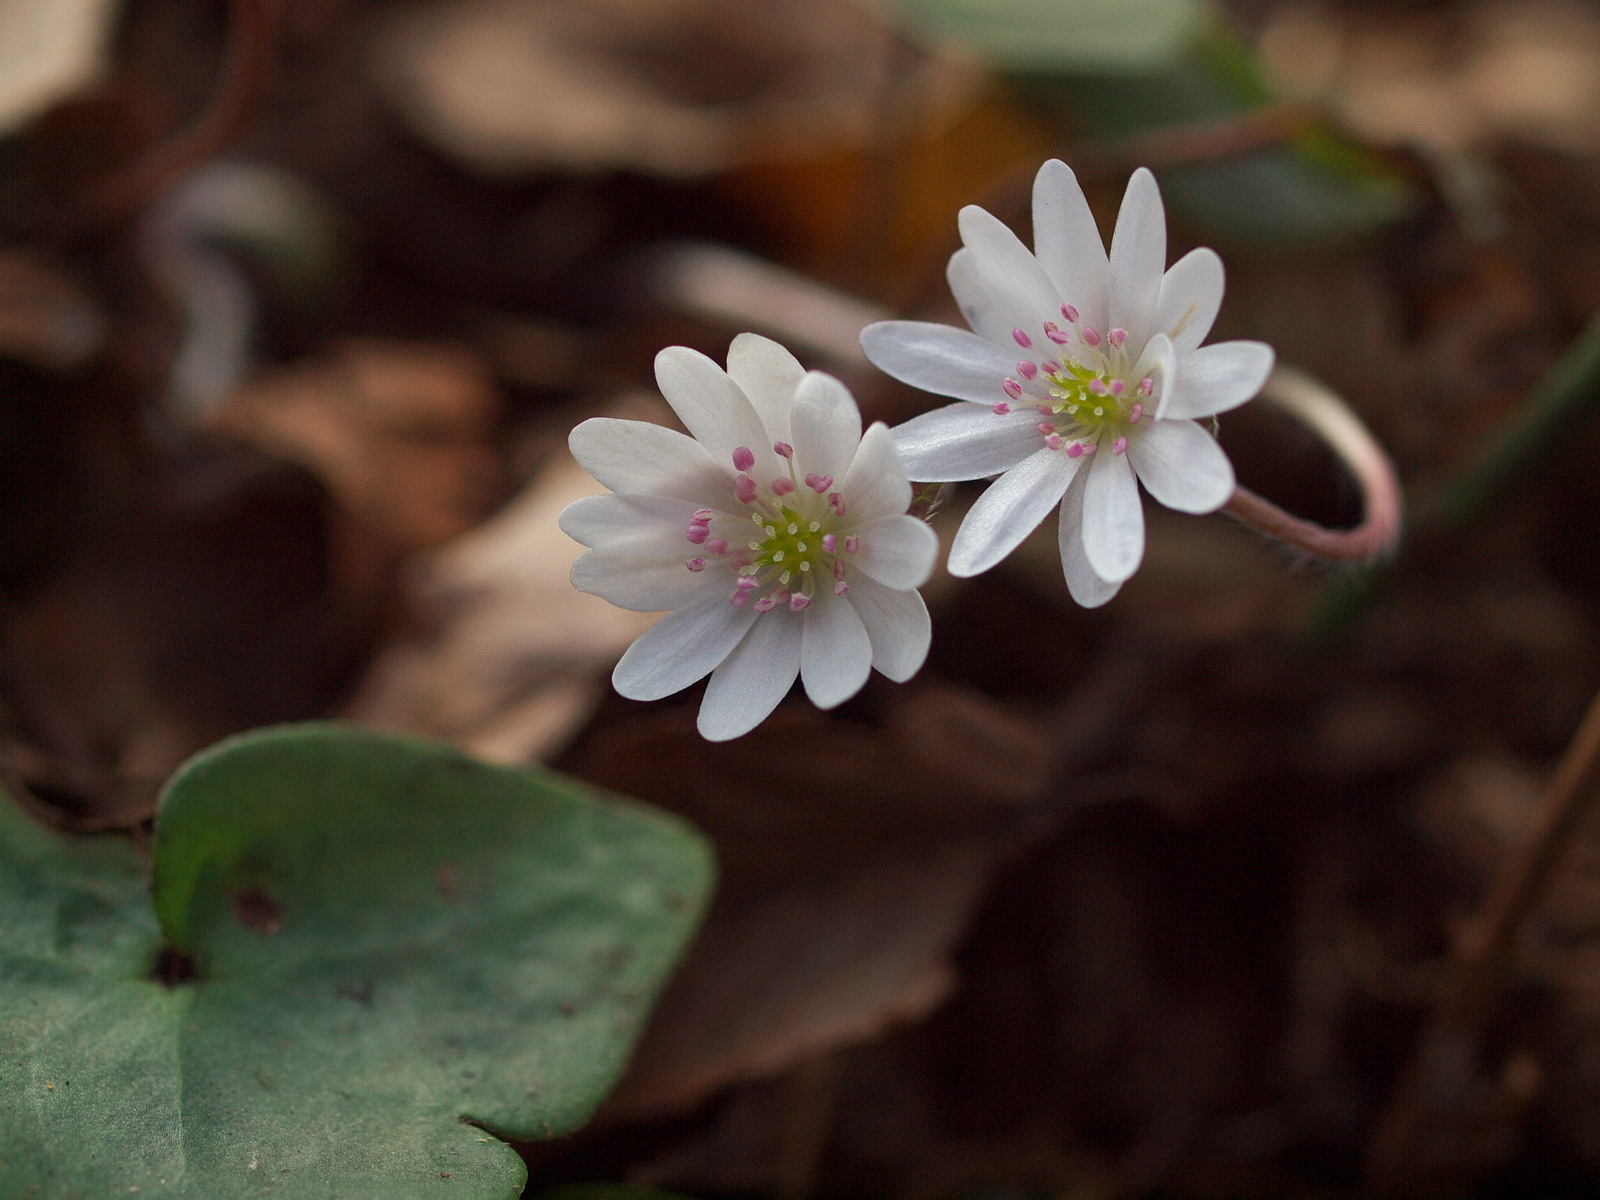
x=841, y=588
x=1022, y=339
x=743, y=458
x=838, y=569
x=748, y=583
x=1027, y=368
x=830, y=543
x=1118, y=446
x=1117, y=387
x=766, y=604
x=1097, y=387
x=1052, y=366
x=1012, y=388
x=738, y=599
x=1053, y=441
x=1075, y=450
x=782, y=485
x=852, y=544
x=1000, y=408
x=1090, y=447
x=1058, y=337
x=717, y=546
x=799, y=602
x=1070, y=313
x=1045, y=409
x=1146, y=386
x=1117, y=337
x=745, y=488
x=1135, y=413
x=702, y=516
x=836, y=502
x=1091, y=336
x=696, y=564
x=783, y=449
x=819, y=483
x=697, y=534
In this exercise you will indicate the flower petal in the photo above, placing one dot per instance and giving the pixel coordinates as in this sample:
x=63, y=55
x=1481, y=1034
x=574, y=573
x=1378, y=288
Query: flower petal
x=643, y=584
x=940, y=359
x=897, y=625
x=1191, y=294
x=875, y=485
x=827, y=425
x=1068, y=242
x=835, y=652
x=681, y=647
x=652, y=525
x=1010, y=510
x=643, y=459
x=898, y=552
x=991, y=314
x=713, y=409
x=1181, y=465
x=1010, y=269
x=963, y=441
x=768, y=375
x=1138, y=257
x=1214, y=379
x=1087, y=588
x=1113, y=518
x=752, y=680
x=1159, y=363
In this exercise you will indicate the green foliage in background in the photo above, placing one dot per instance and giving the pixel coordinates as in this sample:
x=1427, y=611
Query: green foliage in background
x=401, y=957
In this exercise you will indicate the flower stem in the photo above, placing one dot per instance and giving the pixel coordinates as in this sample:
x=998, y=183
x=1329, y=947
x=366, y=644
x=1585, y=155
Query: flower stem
x=1318, y=407
x=1442, y=1069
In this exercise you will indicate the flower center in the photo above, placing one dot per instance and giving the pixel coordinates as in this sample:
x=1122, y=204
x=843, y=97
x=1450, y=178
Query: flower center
x=1087, y=395
x=797, y=546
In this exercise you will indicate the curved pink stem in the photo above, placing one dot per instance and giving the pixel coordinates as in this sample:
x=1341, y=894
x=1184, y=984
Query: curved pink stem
x=1321, y=409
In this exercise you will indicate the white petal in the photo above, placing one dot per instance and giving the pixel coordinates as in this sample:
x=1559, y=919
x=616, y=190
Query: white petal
x=1214, y=379
x=1138, y=257
x=1068, y=243
x=643, y=459
x=827, y=426
x=630, y=524
x=897, y=624
x=940, y=359
x=898, y=552
x=875, y=485
x=1087, y=588
x=963, y=441
x=1113, y=518
x=767, y=374
x=752, y=680
x=681, y=647
x=1191, y=294
x=713, y=409
x=992, y=315
x=652, y=584
x=1181, y=465
x=1158, y=363
x=835, y=653
x=1010, y=510
x=1009, y=268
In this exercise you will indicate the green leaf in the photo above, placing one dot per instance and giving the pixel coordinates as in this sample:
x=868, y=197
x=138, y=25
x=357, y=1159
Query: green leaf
x=391, y=941
x=1061, y=35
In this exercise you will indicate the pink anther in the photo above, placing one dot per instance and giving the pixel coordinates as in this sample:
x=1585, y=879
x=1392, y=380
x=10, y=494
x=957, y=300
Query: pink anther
x=838, y=568
x=830, y=543
x=743, y=458
x=717, y=546
x=799, y=602
x=852, y=544
x=702, y=516
x=1135, y=413
x=1118, y=446
x=696, y=564
x=738, y=599
x=1027, y=368
x=841, y=588
x=1022, y=339
x=1052, y=366
x=836, y=502
x=1058, y=337
x=819, y=483
x=1090, y=447
x=1117, y=337
x=1053, y=441
x=1045, y=409
x=1070, y=313
x=1117, y=387
x=1146, y=386
x=1075, y=450
x=697, y=534
x=783, y=449
x=1000, y=408
x=1090, y=336
x=766, y=604
x=1097, y=386
x=748, y=583
x=1012, y=388
x=782, y=485
x=1046, y=427
x=745, y=488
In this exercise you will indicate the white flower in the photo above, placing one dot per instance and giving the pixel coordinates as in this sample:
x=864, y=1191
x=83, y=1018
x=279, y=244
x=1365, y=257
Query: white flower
x=777, y=534
x=1107, y=390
